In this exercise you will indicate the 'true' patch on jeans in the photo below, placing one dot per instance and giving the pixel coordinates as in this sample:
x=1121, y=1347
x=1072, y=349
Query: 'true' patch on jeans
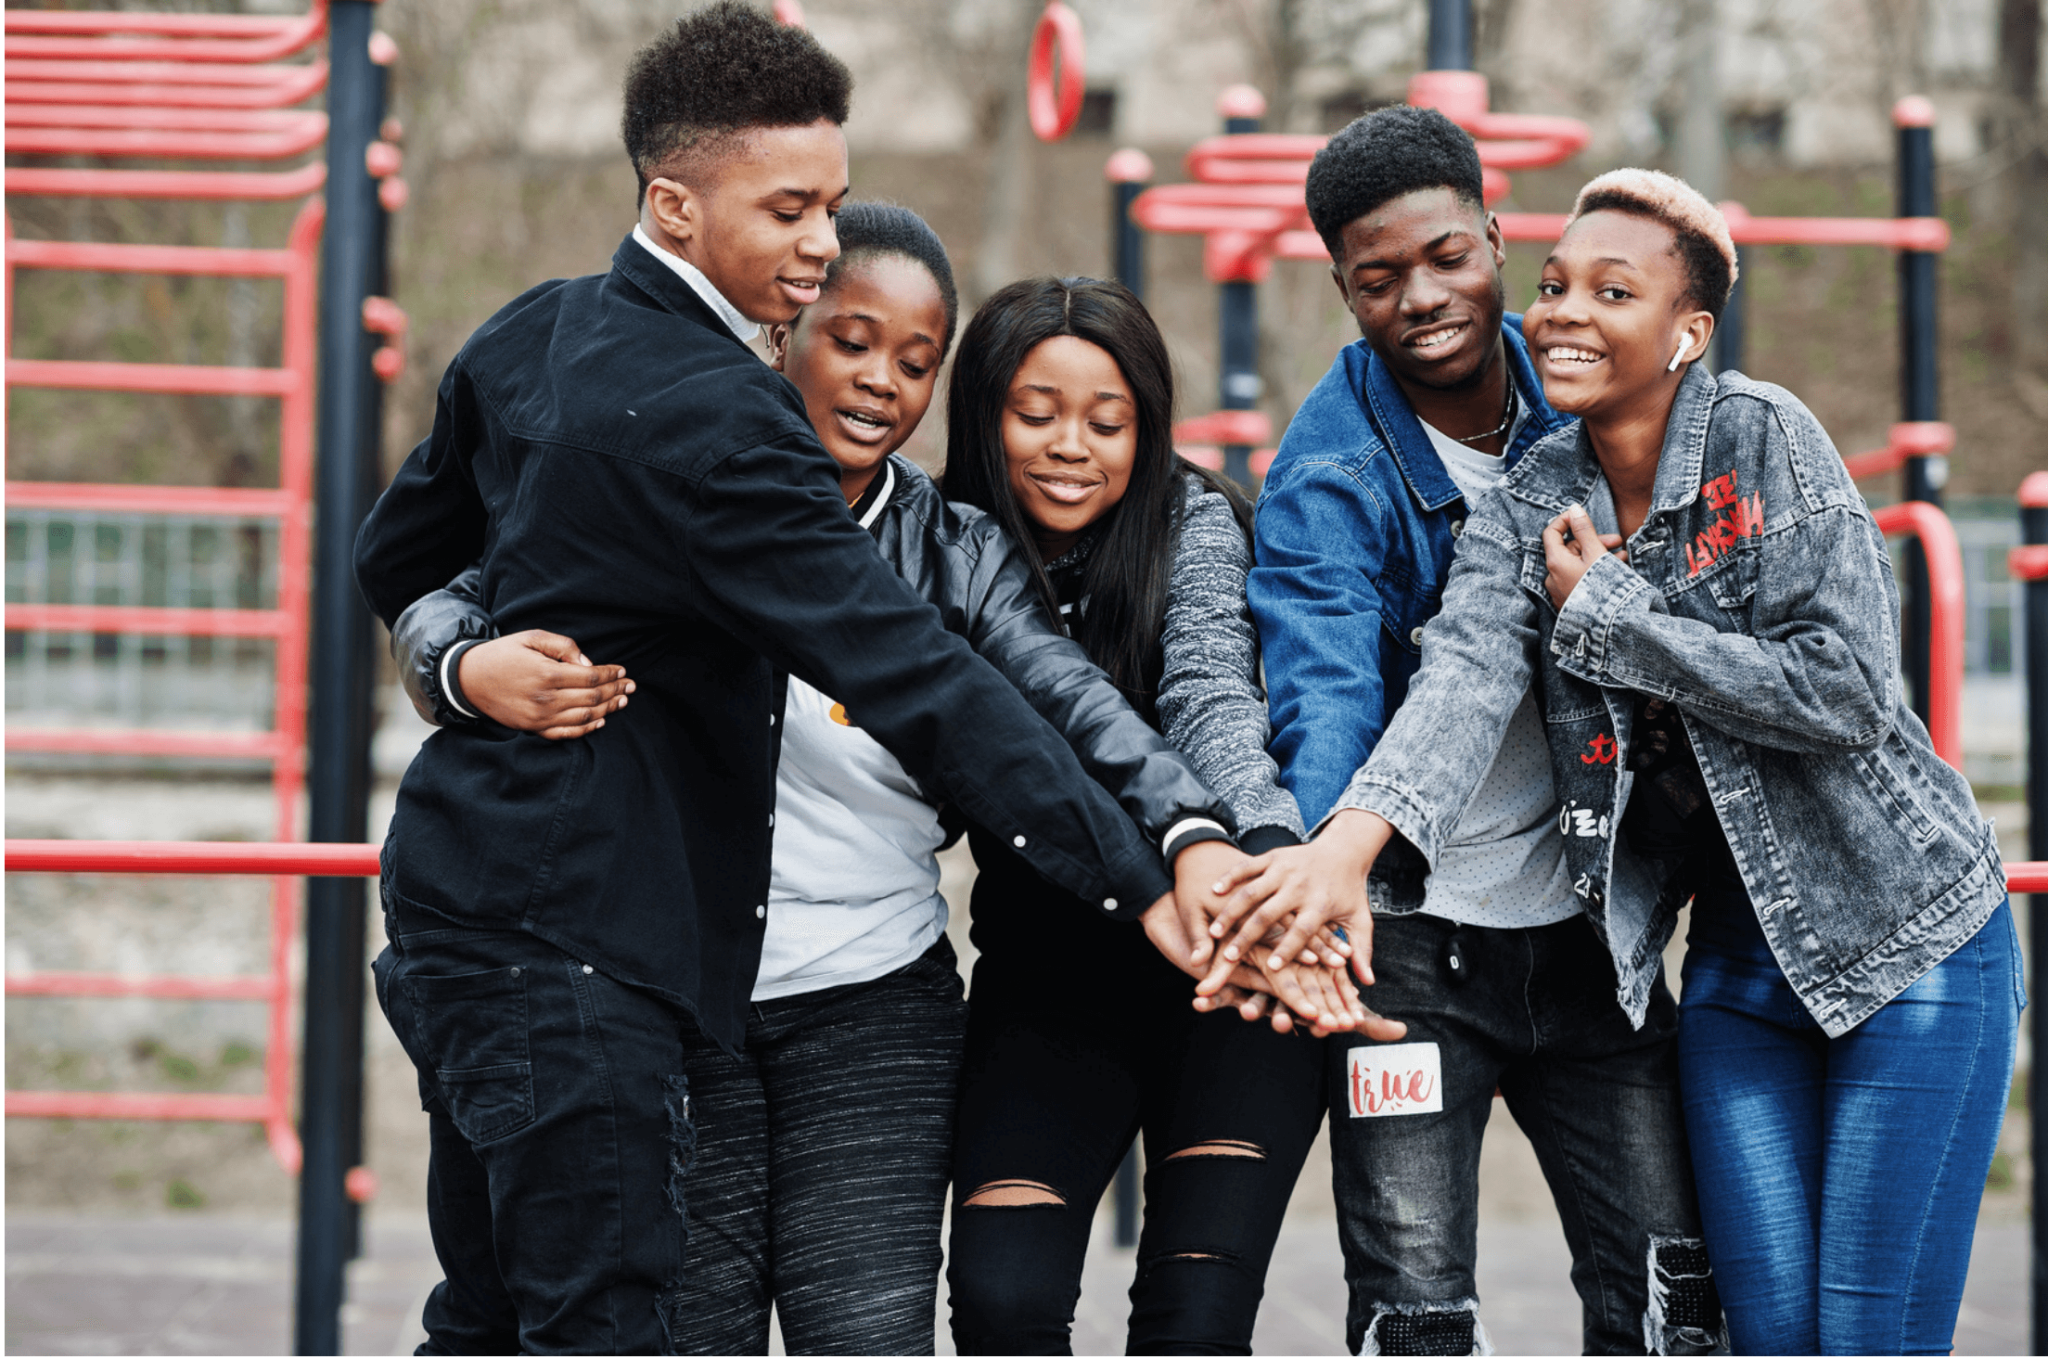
x=1395, y=1078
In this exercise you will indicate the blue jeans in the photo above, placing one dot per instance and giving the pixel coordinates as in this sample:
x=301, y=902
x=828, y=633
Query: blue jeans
x=1839, y=1179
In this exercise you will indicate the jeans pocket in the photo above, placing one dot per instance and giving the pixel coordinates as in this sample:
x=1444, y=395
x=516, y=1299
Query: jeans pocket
x=472, y=1030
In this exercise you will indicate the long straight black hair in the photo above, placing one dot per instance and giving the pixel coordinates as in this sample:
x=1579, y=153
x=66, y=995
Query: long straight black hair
x=1132, y=561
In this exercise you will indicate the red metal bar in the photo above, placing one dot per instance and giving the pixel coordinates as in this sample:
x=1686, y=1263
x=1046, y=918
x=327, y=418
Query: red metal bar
x=60, y=141
x=228, y=501
x=137, y=73
x=154, y=742
x=281, y=85
x=2028, y=876
x=123, y=1104
x=75, y=35
x=147, y=621
x=1908, y=439
x=107, y=984
x=292, y=121
x=253, y=185
x=192, y=856
x=183, y=378
x=1946, y=607
x=1225, y=427
x=211, y=261
x=2028, y=563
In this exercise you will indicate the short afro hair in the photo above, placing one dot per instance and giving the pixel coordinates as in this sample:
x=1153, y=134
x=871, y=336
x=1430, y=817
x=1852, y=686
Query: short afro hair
x=1379, y=157
x=873, y=230
x=694, y=92
x=1702, y=242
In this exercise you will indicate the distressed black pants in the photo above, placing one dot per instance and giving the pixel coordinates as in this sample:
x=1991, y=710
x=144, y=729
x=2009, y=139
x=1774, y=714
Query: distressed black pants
x=561, y=1137
x=820, y=1179
x=1058, y=1082
x=1530, y=1013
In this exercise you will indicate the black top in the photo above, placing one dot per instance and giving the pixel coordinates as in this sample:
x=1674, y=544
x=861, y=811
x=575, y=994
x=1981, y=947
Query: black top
x=630, y=474
x=1670, y=816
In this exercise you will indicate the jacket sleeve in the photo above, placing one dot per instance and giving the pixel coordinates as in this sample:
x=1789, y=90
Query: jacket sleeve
x=427, y=642
x=1314, y=595
x=1818, y=670
x=1153, y=782
x=429, y=524
x=780, y=564
x=1210, y=703
x=1478, y=659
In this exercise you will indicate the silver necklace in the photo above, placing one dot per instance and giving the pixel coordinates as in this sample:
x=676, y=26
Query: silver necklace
x=1507, y=418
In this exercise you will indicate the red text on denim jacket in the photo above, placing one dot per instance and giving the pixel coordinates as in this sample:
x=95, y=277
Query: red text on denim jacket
x=1740, y=518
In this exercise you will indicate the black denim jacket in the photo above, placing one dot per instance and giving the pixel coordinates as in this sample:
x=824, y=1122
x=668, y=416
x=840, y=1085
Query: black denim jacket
x=630, y=474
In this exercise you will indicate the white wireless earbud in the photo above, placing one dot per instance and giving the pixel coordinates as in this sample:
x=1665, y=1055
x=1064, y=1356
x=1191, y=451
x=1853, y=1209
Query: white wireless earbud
x=1676, y=355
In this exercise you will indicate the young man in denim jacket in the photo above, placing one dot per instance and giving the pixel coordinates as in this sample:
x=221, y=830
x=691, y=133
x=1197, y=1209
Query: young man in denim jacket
x=1503, y=982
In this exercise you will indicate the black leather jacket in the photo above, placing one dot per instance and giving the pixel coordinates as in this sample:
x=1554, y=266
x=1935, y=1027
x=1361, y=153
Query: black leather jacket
x=958, y=558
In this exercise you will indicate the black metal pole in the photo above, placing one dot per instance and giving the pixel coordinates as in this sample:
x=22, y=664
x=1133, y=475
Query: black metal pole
x=1238, y=307
x=2034, y=530
x=1450, y=35
x=338, y=725
x=1919, y=379
x=1129, y=171
x=1730, y=334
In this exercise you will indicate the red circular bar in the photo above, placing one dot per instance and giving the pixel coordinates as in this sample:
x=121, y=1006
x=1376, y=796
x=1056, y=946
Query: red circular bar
x=1128, y=166
x=1054, y=112
x=2034, y=491
x=383, y=49
x=190, y=856
x=1915, y=110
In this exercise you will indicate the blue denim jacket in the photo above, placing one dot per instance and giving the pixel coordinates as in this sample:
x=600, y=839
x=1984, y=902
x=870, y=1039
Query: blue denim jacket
x=1355, y=531
x=1758, y=600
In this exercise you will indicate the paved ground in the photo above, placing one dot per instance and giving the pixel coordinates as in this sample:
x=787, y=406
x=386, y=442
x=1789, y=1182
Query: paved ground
x=220, y=1285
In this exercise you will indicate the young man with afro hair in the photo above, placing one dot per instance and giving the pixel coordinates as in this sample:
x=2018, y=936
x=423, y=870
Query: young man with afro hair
x=570, y=921
x=1490, y=960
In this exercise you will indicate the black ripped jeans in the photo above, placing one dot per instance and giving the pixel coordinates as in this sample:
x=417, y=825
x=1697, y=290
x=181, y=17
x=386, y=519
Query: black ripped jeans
x=1530, y=1013
x=561, y=1137
x=1067, y=1061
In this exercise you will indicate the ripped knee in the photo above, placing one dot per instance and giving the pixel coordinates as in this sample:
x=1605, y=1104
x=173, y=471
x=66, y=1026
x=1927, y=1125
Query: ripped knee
x=1426, y=1328
x=1684, y=1311
x=1014, y=1194
x=1228, y=1148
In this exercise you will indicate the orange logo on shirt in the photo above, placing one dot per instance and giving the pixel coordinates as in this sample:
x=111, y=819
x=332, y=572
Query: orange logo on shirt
x=838, y=715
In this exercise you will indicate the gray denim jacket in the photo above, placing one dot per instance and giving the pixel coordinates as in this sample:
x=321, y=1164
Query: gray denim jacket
x=1759, y=600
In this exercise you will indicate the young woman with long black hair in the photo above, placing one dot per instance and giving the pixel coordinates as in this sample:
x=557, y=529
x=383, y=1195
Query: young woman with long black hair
x=817, y=1183
x=1059, y=421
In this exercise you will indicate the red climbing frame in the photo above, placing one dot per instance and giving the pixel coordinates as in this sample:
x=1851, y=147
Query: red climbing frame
x=181, y=87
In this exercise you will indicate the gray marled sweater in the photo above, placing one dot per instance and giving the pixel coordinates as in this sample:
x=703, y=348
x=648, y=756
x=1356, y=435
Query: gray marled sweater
x=1211, y=703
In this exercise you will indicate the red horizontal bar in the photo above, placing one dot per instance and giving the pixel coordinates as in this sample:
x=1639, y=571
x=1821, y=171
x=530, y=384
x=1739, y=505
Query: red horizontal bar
x=166, y=120
x=191, y=856
x=2030, y=876
x=126, y=1104
x=205, y=260
x=162, y=743
x=197, y=184
x=188, y=379
x=156, y=988
x=2028, y=563
x=303, y=82
x=155, y=72
x=48, y=141
x=1896, y=233
x=1225, y=427
x=150, y=622
x=171, y=25
x=238, y=502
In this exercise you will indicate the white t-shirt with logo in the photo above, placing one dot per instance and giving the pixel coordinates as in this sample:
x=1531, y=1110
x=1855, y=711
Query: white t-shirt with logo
x=1503, y=866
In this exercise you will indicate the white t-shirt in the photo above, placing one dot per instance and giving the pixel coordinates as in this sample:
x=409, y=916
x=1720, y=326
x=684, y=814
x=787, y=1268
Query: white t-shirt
x=1503, y=866
x=853, y=888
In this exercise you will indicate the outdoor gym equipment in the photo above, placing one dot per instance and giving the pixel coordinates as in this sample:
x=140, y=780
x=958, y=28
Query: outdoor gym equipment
x=211, y=87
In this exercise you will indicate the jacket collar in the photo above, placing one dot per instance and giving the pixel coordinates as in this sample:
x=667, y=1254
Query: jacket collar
x=1554, y=482
x=706, y=290
x=666, y=288
x=1382, y=398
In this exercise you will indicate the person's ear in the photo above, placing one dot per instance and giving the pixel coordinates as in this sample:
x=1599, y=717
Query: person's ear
x=778, y=344
x=1337, y=277
x=1497, y=241
x=676, y=208
x=1690, y=344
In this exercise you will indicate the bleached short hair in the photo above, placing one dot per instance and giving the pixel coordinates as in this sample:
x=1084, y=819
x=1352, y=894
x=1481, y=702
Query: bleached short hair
x=1705, y=247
